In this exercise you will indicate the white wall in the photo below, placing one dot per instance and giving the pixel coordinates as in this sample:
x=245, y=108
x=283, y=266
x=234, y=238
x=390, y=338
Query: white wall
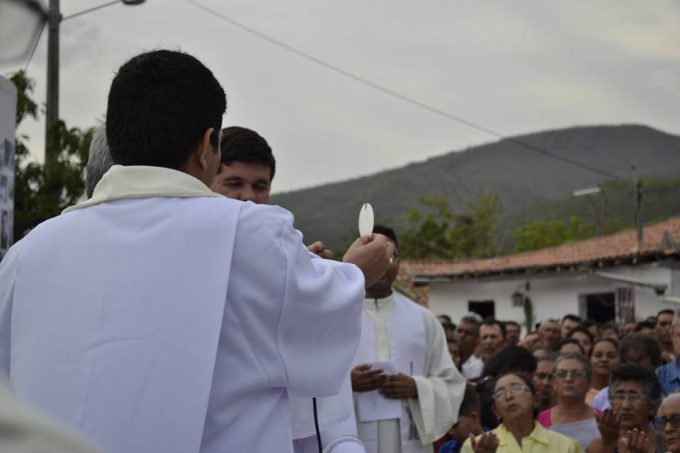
x=553, y=295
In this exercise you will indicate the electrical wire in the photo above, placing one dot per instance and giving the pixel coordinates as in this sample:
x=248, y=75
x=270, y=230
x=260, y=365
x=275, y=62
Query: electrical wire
x=35, y=45
x=95, y=8
x=398, y=95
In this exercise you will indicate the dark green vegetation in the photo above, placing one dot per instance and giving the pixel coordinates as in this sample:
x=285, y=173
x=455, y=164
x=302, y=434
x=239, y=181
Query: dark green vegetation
x=531, y=187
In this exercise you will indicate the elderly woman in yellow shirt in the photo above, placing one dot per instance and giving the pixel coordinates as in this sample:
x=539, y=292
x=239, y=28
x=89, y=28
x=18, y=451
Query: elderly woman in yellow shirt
x=514, y=401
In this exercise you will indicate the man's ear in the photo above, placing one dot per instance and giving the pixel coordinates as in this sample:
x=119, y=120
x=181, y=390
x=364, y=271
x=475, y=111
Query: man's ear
x=205, y=149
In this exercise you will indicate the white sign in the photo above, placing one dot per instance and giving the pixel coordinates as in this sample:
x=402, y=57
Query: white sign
x=8, y=105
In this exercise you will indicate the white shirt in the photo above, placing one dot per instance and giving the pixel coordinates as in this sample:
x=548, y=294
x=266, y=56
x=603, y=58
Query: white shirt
x=473, y=367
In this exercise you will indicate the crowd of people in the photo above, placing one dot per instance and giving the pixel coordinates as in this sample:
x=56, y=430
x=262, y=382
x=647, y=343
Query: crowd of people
x=569, y=385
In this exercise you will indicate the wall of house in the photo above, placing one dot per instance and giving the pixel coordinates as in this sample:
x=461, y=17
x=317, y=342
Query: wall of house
x=553, y=295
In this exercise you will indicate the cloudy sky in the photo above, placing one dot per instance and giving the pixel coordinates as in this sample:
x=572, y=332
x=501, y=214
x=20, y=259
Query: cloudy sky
x=510, y=66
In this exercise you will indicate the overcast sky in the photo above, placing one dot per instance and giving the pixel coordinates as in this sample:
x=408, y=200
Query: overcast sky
x=510, y=66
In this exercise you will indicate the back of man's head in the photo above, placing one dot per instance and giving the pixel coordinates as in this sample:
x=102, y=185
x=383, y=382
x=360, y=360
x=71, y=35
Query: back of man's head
x=240, y=144
x=387, y=231
x=641, y=349
x=160, y=105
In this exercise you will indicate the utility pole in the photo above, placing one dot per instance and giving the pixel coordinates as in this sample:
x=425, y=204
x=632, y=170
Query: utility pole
x=52, y=105
x=637, y=188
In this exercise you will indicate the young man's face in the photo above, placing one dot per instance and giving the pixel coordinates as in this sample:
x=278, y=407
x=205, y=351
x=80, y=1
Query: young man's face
x=244, y=181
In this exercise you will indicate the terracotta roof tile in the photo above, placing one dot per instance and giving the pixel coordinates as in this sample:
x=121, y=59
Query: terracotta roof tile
x=619, y=246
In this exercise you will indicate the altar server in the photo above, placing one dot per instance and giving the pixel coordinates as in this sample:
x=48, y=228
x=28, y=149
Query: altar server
x=406, y=387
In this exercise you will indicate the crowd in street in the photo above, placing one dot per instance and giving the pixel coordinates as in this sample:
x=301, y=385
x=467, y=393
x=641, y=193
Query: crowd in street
x=569, y=385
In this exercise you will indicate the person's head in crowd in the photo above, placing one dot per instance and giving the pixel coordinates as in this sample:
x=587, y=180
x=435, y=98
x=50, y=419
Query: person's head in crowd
x=99, y=160
x=512, y=333
x=569, y=323
x=383, y=287
x=610, y=330
x=635, y=394
x=543, y=382
x=669, y=422
x=571, y=377
x=570, y=345
x=455, y=353
x=514, y=398
x=645, y=327
x=492, y=337
x=584, y=337
x=444, y=319
x=247, y=166
x=629, y=327
x=590, y=326
x=539, y=351
x=467, y=334
x=664, y=321
x=165, y=110
x=604, y=359
x=449, y=330
x=550, y=333
x=531, y=340
x=640, y=349
x=469, y=417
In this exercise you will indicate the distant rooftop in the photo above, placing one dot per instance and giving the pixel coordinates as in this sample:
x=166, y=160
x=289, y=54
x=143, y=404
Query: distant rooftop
x=661, y=241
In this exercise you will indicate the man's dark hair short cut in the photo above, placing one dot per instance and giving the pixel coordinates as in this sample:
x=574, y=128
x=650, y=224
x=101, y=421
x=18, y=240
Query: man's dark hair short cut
x=511, y=323
x=160, y=104
x=240, y=144
x=571, y=317
x=665, y=311
x=490, y=322
x=641, y=345
x=387, y=231
x=644, y=325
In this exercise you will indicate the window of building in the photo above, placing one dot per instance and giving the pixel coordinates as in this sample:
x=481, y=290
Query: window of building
x=484, y=308
x=600, y=307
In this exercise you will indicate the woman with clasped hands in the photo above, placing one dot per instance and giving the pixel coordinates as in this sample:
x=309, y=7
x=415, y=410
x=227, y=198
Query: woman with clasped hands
x=514, y=403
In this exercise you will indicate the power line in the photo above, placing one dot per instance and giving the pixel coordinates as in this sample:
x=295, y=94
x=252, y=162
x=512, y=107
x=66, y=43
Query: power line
x=89, y=10
x=35, y=45
x=396, y=94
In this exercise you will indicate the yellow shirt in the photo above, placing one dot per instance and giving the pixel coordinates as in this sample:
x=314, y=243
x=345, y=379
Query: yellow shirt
x=540, y=440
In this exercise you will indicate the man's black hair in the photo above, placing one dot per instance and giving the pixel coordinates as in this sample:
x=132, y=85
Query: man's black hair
x=644, y=325
x=511, y=323
x=510, y=358
x=387, y=231
x=665, y=311
x=641, y=345
x=471, y=402
x=160, y=105
x=490, y=321
x=571, y=317
x=240, y=144
x=570, y=341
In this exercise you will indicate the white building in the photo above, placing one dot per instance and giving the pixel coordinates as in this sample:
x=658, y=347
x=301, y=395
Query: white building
x=604, y=278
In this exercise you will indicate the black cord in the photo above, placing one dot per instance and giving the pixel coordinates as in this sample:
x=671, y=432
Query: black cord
x=316, y=426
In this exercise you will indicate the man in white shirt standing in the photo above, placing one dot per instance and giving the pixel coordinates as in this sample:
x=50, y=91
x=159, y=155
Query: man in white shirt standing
x=467, y=334
x=246, y=173
x=407, y=390
x=160, y=316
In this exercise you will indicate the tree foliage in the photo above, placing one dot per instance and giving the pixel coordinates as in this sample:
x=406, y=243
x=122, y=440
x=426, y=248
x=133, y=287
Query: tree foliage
x=540, y=234
x=43, y=191
x=436, y=231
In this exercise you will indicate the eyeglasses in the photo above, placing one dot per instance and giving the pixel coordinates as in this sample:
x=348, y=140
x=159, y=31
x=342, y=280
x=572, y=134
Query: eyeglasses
x=514, y=389
x=674, y=420
x=576, y=374
x=632, y=397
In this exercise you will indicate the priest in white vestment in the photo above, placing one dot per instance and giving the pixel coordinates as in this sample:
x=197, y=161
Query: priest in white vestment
x=246, y=173
x=159, y=316
x=407, y=390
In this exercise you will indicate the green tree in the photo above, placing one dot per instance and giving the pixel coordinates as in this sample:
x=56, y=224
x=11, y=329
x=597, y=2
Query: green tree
x=436, y=231
x=540, y=234
x=43, y=191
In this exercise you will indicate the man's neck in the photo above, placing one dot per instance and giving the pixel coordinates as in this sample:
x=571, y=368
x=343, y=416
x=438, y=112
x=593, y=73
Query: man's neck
x=378, y=294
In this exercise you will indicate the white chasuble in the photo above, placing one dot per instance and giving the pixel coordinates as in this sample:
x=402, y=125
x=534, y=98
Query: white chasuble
x=397, y=329
x=160, y=317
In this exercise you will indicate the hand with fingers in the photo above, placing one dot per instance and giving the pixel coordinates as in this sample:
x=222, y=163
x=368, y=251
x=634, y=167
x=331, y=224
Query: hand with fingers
x=486, y=443
x=399, y=387
x=633, y=441
x=365, y=379
x=608, y=425
x=319, y=248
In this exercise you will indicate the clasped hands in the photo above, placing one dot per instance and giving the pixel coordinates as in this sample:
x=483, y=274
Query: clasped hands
x=393, y=386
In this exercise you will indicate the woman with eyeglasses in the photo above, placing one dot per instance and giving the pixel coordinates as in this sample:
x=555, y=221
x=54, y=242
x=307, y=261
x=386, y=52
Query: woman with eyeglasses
x=571, y=415
x=635, y=393
x=604, y=358
x=514, y=399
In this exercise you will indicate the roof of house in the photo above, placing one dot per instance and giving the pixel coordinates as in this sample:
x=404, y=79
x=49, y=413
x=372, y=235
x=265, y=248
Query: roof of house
x=661, y=240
